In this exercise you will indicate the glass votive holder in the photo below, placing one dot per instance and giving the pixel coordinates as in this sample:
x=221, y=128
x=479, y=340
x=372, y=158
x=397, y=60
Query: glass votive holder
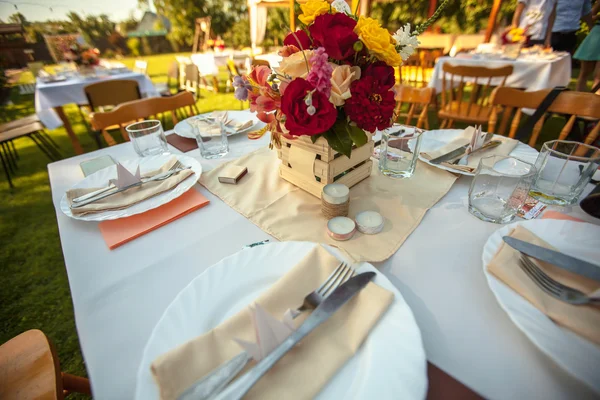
x=399, y=151
x=500, y=188
x=148, y=138
x=565, y=168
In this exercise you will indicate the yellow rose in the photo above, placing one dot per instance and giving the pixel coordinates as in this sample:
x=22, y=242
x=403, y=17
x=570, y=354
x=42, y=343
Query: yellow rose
x=295, y=64
x=341, y=78
x=378, y=40
x=312, y=9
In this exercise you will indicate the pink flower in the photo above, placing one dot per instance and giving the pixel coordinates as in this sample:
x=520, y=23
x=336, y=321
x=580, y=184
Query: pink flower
x=320, y=72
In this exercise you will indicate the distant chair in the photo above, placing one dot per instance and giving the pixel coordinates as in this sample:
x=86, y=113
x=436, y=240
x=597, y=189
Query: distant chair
x=192, y=79
x=417, y=69
x=141, y=67
x=466, y=93
x=172, y=75
x=508, y=103
x=180, y=106
x=35, y=68
x=108, y=94
x=30, y=369
x=256, y=62
x=418, y=101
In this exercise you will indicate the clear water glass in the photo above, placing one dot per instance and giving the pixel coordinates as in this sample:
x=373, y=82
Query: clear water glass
x=148, y=138
x=212, y=139
x=399, y=151
x=500, y=188
x=565, y=168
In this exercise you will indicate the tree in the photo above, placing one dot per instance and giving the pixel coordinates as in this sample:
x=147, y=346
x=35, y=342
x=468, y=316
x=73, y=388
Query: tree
x=18, y=18
x=94, y=29
x=183, y=13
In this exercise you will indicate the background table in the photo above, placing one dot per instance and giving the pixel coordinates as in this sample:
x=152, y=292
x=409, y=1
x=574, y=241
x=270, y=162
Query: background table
x=530, y=73
x=51, y=97
x=119, y=295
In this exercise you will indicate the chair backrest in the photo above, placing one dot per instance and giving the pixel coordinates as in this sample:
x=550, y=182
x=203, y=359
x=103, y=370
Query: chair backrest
x=141, y=66
x=35, y=67
x=256, y=62
x=111, y=93
x=415, y=98
x=509, y=102
x=145, y=109
x=29, y=368
x=480, y=80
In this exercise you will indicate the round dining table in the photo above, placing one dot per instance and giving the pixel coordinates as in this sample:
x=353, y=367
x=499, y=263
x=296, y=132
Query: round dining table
x=119, y=295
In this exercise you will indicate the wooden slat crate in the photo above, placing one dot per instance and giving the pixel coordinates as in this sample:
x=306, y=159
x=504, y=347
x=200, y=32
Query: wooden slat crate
x=329, y=166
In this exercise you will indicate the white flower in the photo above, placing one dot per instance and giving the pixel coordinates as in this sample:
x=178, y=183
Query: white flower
x=406, y=41
x=341, y=6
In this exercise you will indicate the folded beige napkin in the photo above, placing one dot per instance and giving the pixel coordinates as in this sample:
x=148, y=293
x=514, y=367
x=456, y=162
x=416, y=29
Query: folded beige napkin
x=131, y=196
x=584, y=320
x=473, y=160
x=211, y=129
x=287, y=212
x=303, y=371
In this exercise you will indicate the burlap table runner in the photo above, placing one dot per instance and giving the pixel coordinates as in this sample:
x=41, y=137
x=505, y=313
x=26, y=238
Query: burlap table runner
x=287, y=212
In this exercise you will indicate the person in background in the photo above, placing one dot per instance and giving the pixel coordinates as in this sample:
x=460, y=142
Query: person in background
x=589, y=54
x=566, y=25
x=537, y=16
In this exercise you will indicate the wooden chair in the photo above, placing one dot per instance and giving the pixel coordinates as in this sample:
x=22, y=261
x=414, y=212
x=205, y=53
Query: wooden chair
x=417, y=69
x=415, y=98
x=256, y=62
x=509, y=102
x=141, y=67
x=30, y=369
x=181, y=105
x=467, y=106
x=192, y=79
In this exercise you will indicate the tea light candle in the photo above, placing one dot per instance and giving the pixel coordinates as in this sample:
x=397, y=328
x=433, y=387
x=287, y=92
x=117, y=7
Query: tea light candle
x=335, y=193
x=341, y=228
x=335, y=200
x=369, y=222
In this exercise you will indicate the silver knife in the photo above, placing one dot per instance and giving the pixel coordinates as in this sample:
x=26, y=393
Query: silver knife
x=563, y=261
x=140, y=183
x=326, y=309
x=460, y=152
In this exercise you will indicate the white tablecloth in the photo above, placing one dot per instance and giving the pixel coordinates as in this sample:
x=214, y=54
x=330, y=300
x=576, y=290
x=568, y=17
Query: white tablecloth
x=529, y=73
x=119, y=295
x=50, y=95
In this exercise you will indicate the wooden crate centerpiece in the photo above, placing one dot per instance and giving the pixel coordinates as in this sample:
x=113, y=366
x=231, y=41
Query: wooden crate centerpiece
x=328, y=166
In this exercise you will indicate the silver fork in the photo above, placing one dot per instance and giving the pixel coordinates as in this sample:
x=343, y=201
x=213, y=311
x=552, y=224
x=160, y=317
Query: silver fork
x=552, y=287
x=216, y=380
x=111, y=186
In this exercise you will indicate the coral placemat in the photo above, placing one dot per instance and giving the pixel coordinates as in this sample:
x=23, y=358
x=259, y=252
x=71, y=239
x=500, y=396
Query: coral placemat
x=117, y=232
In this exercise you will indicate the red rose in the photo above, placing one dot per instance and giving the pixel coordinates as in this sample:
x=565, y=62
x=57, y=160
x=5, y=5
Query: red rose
x=298, y=121
x=382, y=73
x=301, y=40
x=371, y=105
x=335, y=32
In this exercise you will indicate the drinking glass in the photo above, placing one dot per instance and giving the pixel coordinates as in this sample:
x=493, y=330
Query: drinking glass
x=148, y=138
x=500, y=188
x=212, y=139
x=399, y=151
x=565, y=168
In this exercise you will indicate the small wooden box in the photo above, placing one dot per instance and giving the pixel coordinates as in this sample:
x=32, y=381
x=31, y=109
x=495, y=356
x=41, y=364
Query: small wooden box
x=329, y=165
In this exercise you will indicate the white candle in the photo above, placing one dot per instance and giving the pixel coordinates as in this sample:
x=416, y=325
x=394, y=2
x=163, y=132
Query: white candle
x=369, y=222
x=341, y=228
x=335, y=193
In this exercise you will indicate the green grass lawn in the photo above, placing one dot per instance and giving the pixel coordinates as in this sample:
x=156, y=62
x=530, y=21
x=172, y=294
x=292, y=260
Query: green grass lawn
x=35, y=289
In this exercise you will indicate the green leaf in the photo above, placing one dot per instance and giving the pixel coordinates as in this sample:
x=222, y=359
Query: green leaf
x=358, y=136
x=339, y=139
x=314, y=138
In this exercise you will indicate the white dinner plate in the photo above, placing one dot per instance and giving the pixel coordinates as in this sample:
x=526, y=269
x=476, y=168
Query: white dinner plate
x=184, y=129
x=100, y=179
x=438, y=138
x=390, y=364
x=576, y=355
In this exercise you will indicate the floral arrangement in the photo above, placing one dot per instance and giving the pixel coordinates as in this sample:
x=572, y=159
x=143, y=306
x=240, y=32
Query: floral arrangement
x=82, y=55
x=515, y=35
x=335, y=80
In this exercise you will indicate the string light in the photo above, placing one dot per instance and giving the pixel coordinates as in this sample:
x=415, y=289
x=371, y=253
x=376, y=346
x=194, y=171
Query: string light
x=15, y=5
